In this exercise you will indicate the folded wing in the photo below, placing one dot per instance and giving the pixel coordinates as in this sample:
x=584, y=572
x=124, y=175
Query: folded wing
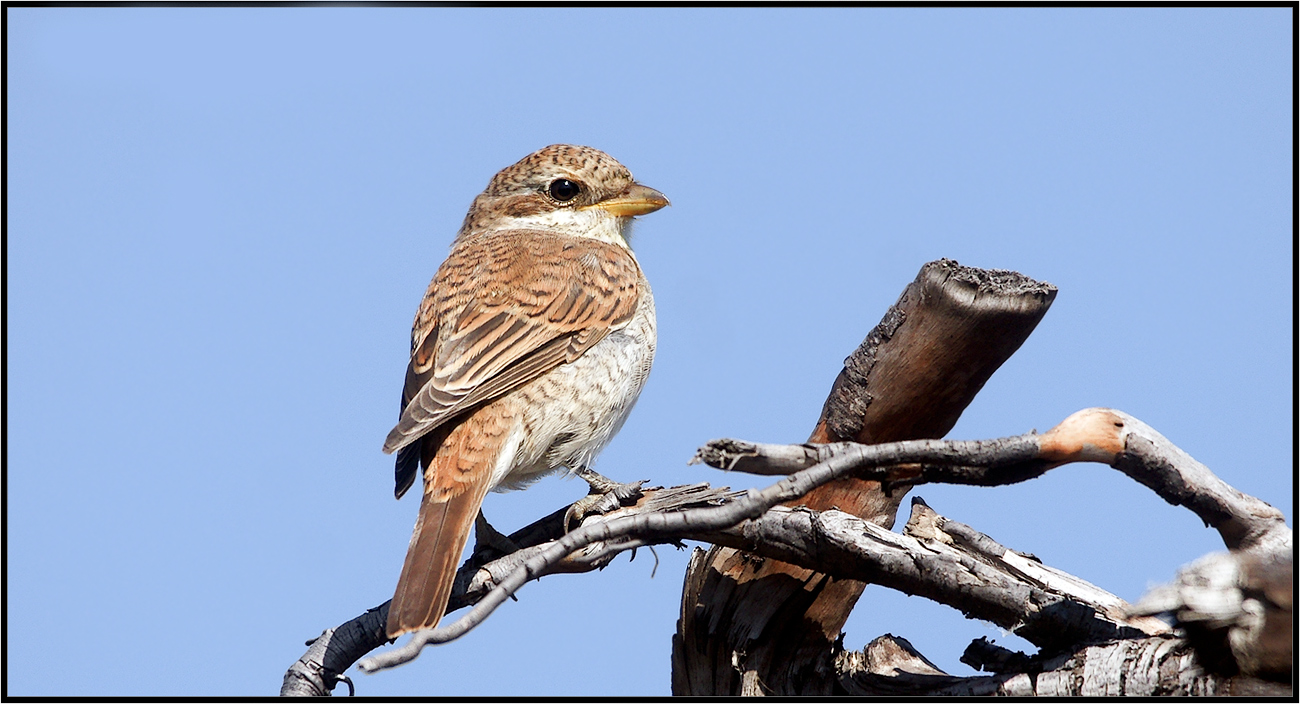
x=504, y=309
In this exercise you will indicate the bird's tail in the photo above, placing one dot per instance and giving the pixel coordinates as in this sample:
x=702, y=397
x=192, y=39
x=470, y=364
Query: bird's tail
x=441, y=532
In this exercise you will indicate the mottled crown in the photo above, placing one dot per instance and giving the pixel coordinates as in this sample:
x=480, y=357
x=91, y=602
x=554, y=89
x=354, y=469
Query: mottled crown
x=592, y=166
x=520, y=190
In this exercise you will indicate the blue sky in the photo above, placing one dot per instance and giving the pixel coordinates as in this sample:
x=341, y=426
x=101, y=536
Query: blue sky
x=221, y=221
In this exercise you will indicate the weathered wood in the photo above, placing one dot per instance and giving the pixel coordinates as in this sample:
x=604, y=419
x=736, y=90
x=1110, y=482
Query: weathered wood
x=932, y=352
x=330, y=654
x=946, y=562
x=1237, y=610
x=769, y=627
x=1143, y=667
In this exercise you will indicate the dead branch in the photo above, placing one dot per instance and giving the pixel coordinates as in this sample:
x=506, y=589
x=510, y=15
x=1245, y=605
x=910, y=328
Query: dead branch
x=319, y=669
x=624, y=530
x=330, y=654
x=911, y=378
x=1046, y=607
x=1100, y=435
x=1083, y=436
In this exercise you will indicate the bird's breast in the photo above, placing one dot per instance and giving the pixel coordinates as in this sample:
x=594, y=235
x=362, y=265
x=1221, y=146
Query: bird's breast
x=568, y=415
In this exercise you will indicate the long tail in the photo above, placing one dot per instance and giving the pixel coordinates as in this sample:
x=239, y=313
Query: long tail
x=441, y=532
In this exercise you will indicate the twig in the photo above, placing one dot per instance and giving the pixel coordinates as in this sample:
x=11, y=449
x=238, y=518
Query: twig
x=1092, y=435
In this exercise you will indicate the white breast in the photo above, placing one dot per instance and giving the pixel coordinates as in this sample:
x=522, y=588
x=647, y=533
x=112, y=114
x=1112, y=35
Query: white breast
x=567, y=416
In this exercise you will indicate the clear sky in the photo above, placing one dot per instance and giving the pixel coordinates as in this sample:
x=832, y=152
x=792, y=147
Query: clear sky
x=221, y=221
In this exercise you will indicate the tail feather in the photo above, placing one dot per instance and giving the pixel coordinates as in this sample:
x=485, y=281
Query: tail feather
x=441, y=532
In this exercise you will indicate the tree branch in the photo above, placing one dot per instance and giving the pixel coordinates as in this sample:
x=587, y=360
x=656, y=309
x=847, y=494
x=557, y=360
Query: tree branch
x=1046, y=607
x=911, y=378
x=942, y=560
x=1100, y=435
x=319, y=669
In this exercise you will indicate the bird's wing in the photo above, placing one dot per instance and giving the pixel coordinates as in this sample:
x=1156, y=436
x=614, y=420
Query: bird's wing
x=504, y=309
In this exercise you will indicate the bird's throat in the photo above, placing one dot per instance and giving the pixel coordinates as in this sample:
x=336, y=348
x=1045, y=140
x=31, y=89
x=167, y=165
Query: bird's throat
x=593, y=224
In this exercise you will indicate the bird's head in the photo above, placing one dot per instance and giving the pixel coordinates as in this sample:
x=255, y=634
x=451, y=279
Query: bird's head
x=578, y=190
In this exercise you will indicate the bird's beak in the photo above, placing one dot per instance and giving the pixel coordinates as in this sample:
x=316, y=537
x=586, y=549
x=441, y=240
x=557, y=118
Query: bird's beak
x=634, y=200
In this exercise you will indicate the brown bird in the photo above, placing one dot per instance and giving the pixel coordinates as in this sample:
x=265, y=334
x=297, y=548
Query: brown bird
x=530, y=347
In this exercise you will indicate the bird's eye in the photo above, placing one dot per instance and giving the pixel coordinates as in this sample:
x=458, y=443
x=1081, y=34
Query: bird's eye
x=563, y=190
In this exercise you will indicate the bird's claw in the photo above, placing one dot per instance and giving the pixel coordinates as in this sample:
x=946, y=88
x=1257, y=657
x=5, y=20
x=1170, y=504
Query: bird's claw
x=606, y=495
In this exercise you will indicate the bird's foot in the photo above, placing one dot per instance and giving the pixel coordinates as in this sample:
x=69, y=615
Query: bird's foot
x=489, y=543
x=606, y=495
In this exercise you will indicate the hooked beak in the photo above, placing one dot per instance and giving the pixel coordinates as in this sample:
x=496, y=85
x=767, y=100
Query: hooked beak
x=634, y=200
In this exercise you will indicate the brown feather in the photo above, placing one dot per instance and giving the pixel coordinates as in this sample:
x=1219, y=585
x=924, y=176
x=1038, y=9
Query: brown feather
x=484, y=339
x=458, y=463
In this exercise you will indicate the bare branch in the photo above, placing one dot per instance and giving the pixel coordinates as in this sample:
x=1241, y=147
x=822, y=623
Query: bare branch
x=319, y=669
x=661, y=527
x=1100, y=435
x=1046, y=607
x=330, y=655
x=1090, y=435
x=766, y=459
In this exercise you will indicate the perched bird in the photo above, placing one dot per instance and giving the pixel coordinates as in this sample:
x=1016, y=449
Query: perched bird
x=530, y=347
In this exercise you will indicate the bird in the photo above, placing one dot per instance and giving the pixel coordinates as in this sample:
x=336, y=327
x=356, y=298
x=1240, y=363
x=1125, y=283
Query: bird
x=528, y=351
